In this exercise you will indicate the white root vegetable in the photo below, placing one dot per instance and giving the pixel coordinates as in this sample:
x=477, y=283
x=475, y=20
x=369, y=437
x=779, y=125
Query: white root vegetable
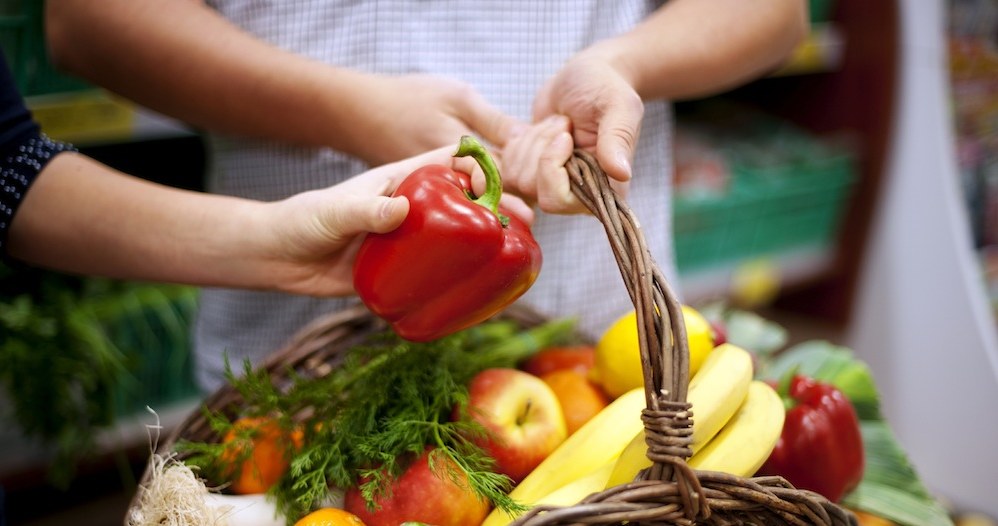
x=174, y=496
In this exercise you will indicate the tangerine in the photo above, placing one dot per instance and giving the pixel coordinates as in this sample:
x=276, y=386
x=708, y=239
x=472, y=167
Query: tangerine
x=868, y=519
x=580, y=398
x=330, y=517
x=258, y=451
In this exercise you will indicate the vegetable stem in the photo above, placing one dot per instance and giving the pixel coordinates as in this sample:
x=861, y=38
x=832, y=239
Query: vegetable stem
x=783, y=387
x=471, y=147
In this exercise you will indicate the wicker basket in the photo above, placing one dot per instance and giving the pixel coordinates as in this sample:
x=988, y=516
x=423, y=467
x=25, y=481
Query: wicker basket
x=667, y=493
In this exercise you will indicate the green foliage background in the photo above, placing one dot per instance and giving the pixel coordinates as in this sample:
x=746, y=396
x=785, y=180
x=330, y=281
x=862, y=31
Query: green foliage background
x=76, y=354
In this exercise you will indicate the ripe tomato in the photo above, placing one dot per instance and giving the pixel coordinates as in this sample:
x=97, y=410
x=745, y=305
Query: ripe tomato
x=578, y=357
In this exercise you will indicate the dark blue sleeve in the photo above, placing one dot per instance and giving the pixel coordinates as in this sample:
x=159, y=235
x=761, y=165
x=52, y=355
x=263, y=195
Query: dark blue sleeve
x=24, y=150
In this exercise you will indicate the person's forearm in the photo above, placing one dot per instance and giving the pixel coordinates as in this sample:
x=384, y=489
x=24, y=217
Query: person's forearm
x=695, y=48
x=184, y=60
x=82, y=217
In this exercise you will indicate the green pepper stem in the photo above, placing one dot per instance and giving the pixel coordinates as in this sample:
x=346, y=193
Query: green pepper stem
x=471, y=147
x=783, y=387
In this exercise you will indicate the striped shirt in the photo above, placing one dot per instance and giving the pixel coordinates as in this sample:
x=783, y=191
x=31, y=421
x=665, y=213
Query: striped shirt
x=506, y=49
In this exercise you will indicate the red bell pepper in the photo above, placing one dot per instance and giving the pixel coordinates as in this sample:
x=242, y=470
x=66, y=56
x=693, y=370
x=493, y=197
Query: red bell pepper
x=821, y=448
x=455, y=260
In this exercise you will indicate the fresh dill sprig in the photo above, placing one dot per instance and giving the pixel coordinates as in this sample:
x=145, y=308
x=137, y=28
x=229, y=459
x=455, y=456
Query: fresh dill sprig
x=385, y=403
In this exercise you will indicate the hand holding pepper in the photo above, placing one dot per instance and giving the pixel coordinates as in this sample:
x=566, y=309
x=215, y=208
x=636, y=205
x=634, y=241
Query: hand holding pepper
x=455, y=260
x=821, y=448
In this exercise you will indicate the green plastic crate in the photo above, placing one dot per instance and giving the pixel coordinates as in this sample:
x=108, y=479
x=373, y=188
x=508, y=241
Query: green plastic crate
x=767, y=211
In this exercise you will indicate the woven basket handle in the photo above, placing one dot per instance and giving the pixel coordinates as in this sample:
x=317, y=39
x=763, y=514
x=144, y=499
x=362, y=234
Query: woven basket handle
x=664, y=359
x=661, y=329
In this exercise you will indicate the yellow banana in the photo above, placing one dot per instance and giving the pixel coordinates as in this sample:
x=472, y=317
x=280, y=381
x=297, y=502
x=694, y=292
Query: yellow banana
x=592, y=446
x=748, y=438
x=578, y=489
x=632, y=460
x=715, y=392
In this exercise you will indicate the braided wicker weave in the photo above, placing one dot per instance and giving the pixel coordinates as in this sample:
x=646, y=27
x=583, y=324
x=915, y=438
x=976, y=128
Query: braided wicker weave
x=667, y=493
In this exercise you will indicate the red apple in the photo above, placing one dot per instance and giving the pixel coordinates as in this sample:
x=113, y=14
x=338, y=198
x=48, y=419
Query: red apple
x=423, y=494
x=522, y=416
x=579, y=357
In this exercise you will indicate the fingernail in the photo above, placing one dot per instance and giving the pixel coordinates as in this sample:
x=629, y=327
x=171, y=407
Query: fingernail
x=556, y=119
x=563, y=139
x=624, y=163
x=391, y=207
x=387, y=206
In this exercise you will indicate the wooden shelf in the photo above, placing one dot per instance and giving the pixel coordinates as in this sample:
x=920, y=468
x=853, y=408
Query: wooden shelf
x=841, y=82
x=858, y=99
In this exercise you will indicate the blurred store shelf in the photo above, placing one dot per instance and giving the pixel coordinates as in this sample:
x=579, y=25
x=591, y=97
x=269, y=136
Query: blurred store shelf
x=821, y=51
x=24, y=463
x=94, y=117
x=763, y=275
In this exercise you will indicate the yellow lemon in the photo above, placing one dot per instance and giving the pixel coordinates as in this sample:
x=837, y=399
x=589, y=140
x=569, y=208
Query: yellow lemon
x=755, y=283
x=699, y=335
x=617, y=364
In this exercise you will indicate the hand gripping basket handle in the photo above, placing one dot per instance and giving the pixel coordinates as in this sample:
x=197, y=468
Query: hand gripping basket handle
x=670, y=492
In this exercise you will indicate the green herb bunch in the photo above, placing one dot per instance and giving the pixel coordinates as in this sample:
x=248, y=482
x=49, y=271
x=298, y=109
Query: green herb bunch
x=386, y=402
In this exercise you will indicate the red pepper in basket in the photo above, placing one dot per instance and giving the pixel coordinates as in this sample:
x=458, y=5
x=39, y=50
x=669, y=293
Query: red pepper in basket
x=455, y=260
x=821, y=448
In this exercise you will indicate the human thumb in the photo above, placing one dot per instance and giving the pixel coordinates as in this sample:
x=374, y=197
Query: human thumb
x=391, y=211
x=377, y=214
x=617, y=138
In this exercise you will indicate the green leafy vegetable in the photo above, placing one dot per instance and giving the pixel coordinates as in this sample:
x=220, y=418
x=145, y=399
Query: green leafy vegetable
x=384, y=403
x=762, y=337
x=890, y=487
x=753, y=332
x=836, y=365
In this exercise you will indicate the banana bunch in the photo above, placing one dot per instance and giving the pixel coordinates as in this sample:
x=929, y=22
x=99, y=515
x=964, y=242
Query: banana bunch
x=739, y=448
x=736, y=424
x=715, y=392
x=745, y=443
